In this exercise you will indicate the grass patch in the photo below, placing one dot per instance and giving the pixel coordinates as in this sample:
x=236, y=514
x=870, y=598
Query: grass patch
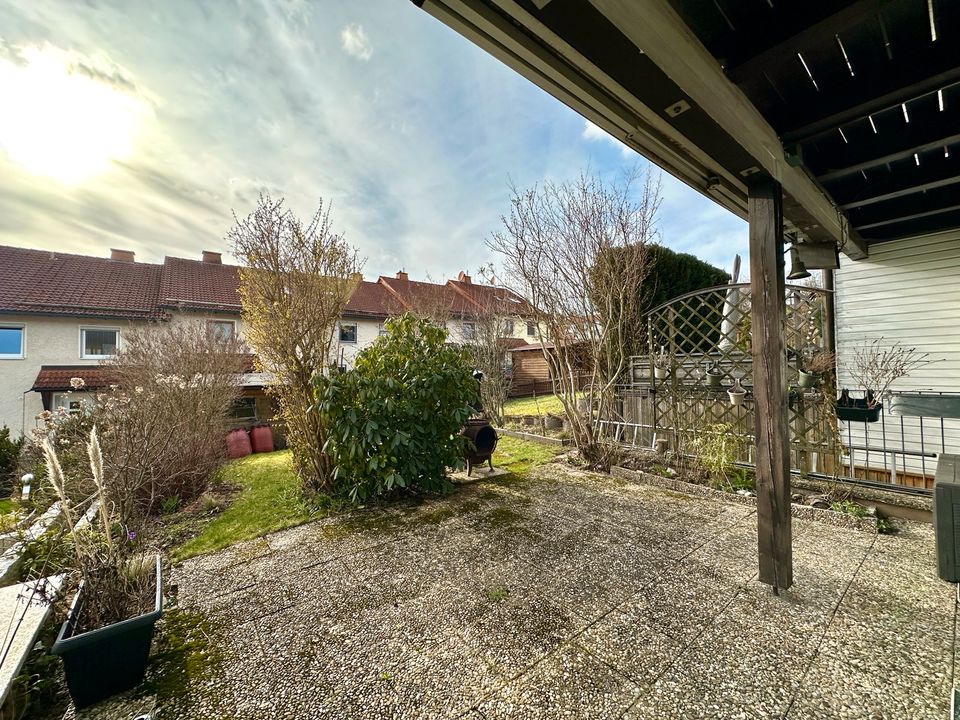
x=519, y=456
x=269, y=499
x=542, y=405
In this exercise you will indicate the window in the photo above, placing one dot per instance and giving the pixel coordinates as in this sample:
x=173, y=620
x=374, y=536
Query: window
x=71, y=402
x=99, y=343
x=469, y=331
x=244, y=408
x=508, y=327
x=348, y=332
x=11, y=342
x=222, y=329
x=531, y=329
x=382, y=329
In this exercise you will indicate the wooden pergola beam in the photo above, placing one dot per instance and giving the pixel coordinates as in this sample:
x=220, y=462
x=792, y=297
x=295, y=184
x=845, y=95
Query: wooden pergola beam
x=767, y=320
x=779, y=50
x=871, y=98
x=865, y=163
x=656, y=28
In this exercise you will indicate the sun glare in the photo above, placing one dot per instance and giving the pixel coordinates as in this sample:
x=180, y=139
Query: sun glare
x=61, y=123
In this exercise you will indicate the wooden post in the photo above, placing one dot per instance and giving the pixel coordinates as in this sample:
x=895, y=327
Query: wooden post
x=768, y=314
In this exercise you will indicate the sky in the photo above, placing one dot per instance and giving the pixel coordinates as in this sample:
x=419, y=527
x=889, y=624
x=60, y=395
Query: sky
x=147, y=125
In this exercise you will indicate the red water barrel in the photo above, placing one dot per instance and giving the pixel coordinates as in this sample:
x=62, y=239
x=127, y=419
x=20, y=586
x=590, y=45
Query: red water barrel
x=238, y=444
x=261, y=439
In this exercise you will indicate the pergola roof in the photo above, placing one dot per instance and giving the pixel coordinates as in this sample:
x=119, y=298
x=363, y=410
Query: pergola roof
x=853, y=106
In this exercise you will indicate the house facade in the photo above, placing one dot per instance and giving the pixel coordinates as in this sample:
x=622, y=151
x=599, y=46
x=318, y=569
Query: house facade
x=62, y=315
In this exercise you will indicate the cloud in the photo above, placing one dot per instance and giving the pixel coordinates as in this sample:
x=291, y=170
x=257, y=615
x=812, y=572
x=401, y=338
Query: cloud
x=355, y=42
x=415, y=152
x=595, y=133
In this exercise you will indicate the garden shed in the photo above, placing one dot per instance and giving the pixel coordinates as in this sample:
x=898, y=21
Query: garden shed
x=829, y=126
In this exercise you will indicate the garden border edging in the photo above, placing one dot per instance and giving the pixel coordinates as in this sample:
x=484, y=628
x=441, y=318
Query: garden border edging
x=805, y=512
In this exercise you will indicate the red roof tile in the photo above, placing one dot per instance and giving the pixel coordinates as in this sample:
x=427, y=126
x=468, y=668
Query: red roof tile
x=428, y=297
x=196, y=285
x=371, y=299
x=58, y=377
x=491, y=297
x=40, y=281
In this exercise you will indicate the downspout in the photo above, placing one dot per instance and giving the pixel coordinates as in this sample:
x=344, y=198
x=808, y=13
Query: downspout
x=829, y=325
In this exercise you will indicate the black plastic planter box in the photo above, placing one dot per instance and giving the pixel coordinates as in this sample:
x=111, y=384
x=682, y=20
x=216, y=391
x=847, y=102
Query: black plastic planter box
x=859, y=412
x=101, y=663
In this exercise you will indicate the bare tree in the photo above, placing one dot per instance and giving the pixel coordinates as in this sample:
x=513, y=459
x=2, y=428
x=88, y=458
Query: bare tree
x=166, y=414
x=295, y=284
x=488, y=344
x=577, y=252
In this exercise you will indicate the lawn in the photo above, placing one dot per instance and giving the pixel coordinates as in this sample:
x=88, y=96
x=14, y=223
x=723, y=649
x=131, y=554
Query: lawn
x=269, y=500
x=521, y=456
x=269, y=495
x=542, y=405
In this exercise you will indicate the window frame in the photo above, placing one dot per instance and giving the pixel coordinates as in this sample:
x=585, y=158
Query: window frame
x=23, y=340
x=212, y=323
x=470, y=334
x=244, y=400
x=382, y=330
x=83, y=330
x=508, y=328
x=79, y=396
x=356, y=332
x=531, y=329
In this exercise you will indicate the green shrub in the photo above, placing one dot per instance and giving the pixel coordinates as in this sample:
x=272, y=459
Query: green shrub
x=9, y=455
x=395, y=418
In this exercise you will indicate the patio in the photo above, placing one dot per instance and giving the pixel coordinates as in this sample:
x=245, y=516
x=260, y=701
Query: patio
x=565, y=595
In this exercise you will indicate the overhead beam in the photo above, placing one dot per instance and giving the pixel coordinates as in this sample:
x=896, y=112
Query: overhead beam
x=900, y=154
x=887, y=91
x=656, y=28
x=934, y=202
x=780, y=49
x=925, y=225
x=899, y=185
x=767, y=321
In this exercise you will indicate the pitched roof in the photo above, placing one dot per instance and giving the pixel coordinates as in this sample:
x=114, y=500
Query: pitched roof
x=57, y=377
x=197, y=285
x=52, y=283
x=370, y=299
x=491, y=297
x=428, y=297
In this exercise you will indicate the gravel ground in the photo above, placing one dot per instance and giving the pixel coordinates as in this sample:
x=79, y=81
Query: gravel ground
x=568, y=595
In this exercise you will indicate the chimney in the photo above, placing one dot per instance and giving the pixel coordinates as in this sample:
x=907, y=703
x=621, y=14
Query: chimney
x=463, y=277
x=121, y=255
x=401, y=275
x=211, y=257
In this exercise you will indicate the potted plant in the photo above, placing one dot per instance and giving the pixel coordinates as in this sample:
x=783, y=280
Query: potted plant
x=814, y=367
x=737, y=393
x=713, y=375
x=875, y=368
x=661, y=364
x=105, y=641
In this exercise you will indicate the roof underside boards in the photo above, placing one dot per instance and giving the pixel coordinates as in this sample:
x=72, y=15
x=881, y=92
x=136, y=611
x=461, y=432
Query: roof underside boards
x=853, y=105
x=867, y=93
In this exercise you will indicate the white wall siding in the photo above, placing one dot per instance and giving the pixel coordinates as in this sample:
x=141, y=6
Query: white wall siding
x=907, y=291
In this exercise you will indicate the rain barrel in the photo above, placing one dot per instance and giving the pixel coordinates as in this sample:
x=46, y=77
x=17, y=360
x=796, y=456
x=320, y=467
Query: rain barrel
x=238, y=444
x=261, y=439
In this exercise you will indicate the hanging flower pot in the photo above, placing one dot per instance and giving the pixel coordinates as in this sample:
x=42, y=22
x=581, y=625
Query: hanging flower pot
x=660, y=373
x=737, y=393
x=859, y=411
x=807, y=380
x=714, y=375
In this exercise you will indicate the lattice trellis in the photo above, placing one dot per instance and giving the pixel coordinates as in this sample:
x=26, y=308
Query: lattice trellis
x=711, y=328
